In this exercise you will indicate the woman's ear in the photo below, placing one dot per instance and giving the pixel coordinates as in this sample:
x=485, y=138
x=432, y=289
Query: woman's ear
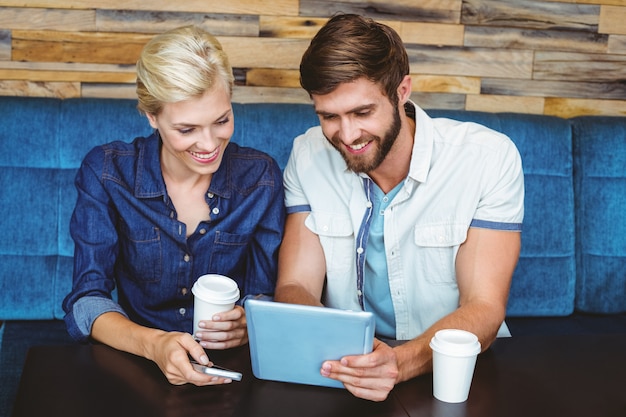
x=153, y=120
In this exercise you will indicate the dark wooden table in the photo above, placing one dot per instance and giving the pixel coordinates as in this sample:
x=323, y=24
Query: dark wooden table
x=521, y=376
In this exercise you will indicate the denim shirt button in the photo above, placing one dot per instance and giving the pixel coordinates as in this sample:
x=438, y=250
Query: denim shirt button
x=215, y=211
x=182, y=311
x=172, y=214
x=184, y=291
x=210, y=195
x=186, y=258
x=202, y=231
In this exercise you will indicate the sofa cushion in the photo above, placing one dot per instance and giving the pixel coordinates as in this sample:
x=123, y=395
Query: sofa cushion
x=544, y=280
x=600, y=187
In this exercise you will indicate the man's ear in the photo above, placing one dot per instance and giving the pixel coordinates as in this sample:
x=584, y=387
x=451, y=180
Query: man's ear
x=404, y=90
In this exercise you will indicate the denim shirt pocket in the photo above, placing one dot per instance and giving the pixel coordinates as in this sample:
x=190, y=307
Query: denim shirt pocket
x=141, y=252
x=337, y=238
x=229, y=252
x=437, y=246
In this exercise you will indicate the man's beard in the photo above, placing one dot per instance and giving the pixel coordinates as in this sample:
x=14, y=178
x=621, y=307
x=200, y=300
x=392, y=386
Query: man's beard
x=359, y=163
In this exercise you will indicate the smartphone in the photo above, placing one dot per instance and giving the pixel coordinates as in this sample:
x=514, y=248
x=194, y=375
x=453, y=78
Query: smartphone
x=216, y=371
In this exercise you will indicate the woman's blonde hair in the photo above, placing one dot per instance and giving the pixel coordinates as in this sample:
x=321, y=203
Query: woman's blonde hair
x=180, y=64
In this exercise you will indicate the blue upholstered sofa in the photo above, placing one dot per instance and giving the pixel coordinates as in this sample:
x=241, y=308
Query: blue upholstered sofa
x=571, y=275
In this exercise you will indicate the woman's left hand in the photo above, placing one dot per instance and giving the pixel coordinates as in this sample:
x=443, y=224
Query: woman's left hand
x=226, y=330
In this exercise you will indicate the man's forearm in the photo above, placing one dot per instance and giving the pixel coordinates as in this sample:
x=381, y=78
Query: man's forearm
x=295, y=294
x=415, y=356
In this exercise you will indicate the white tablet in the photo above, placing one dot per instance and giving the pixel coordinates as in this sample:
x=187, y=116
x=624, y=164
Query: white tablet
x=289, y=342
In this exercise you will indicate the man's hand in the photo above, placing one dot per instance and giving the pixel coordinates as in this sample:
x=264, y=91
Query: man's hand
x=371, y=376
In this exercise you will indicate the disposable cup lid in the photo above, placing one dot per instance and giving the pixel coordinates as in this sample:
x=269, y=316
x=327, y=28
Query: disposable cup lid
x=216, y=289
x=455, y=342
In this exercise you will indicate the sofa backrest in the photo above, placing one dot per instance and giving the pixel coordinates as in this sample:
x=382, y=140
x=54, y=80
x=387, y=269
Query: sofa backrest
x=43, y=142
x=600, y=191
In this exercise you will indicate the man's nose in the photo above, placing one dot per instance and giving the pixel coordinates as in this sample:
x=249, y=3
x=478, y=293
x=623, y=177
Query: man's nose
x=349, y=131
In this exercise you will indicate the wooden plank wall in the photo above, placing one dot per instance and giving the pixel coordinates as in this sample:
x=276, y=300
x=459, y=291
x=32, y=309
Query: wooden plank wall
x=561, y=58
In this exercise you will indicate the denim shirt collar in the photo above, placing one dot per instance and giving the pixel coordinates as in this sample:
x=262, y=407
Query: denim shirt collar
x=149, y=177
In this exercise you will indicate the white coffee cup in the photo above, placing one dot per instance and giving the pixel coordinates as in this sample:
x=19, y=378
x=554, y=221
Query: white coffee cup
x=213, y=293
x=454, y=359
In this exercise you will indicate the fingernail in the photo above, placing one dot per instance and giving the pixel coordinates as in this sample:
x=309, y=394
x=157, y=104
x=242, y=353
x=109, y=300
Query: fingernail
x=204, y=359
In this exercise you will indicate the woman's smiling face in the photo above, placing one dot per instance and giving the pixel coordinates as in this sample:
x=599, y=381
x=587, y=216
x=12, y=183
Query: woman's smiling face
x=195, y=132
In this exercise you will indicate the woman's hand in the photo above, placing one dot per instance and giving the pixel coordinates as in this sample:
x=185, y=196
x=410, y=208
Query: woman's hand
x=224, y=330
x=171, y=352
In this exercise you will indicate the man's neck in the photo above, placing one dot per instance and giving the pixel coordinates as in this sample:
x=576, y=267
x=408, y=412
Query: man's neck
x=395, y=167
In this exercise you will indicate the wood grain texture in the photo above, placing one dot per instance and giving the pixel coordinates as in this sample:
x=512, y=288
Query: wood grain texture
x=5, y=45
x=555, y=40
x=569, y=66
x=445, y=84
x=613, y=20
x=255, y=7
x=157, y=22
x=610, y=2
x=495, y=104
x=264, y=52
x=477, y=62
x=53, y=46
x=474, y=54
x=47, y=19
x=444, y=11
x=564, y=107
x=617, y=44
x=537, y=88
x=530, y=14
x=266, y=77
x=35, y=89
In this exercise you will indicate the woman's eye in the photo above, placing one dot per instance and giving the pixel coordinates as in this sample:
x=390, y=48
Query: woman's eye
x=223, y=121
x=185, y=131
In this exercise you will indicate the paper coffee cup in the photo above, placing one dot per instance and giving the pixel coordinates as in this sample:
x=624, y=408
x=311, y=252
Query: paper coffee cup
x=213, y=294
x=454, y=359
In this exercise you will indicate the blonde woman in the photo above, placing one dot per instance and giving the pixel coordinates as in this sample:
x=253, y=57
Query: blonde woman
x=155, y=214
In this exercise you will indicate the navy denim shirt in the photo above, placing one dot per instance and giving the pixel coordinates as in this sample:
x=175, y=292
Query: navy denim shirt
x=128, y=239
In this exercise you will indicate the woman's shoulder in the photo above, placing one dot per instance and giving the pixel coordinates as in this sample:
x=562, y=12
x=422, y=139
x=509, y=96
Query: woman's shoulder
x=250, y=165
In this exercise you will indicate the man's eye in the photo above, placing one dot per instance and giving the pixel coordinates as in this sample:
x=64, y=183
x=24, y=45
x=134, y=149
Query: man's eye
x=363, y=114
x=223, y=121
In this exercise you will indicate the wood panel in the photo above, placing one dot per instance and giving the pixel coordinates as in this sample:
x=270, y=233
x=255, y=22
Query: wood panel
x=47, y=19
x=446, y=84
x=530, y=14
x=255, y=7
x=551, y=40
x=571, y=107
x=445, y=11
x=617, y=44
x=613, y=20
x=555, y=56
x=156, y=22
x=495, y=104
x=478, y=62
x=88, y=47
x=569, y=66
x=538, y=88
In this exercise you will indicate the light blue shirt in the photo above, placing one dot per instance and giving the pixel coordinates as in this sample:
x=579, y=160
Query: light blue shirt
x=377, y=296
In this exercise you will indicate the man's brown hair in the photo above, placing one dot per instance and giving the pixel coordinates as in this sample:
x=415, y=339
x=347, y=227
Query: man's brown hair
x=349, y=47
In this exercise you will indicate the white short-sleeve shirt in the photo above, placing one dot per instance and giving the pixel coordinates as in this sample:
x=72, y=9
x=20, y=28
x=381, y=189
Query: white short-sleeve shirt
x=461, y=175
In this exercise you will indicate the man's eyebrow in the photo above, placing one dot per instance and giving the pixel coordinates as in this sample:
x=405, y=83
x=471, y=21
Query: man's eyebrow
x=357, y=109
